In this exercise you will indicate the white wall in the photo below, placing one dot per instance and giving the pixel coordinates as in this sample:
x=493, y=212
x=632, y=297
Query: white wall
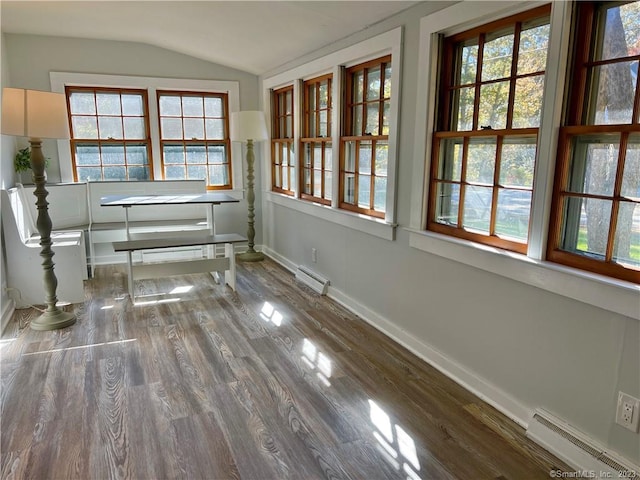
x=532, y=348
x=31, y=58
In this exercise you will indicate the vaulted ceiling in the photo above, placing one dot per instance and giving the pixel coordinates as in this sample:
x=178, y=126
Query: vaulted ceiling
x=251, y=36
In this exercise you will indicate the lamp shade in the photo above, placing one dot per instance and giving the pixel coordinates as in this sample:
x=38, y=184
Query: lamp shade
x=34, y=114
x=248, y=125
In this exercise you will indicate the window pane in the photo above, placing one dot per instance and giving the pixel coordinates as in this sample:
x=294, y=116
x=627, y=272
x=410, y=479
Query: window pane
x=382, y=159
x=450, y=162
x=387, y=81
x=481, y=160
x=447, y=201
x=517, y=162
x=317, y=156
x=138, y=173
x=136, y=155
x=350, y=156
x=174, y=172
x=277, y=175
x=213, y=107
x=112, y=155
x=324, y=132
x=373, y=83
x=134, y=128
x=626, y=247
x=196, y=172
x=385, y=118
x=306, y=181
x=328, y=156
x=512, y=215
x=349, y=188
x=196, y=154
x=373, y=122
x=171, y=128
x=87, y=155
x=307, y=153
x=621, y=32
x=356, y=128
x=194, y=128
x=170, y=106
x=192, y=106
x=464, y=111
x=84, y=127
x=214, y=129
x=132, y=105
x=110, y=127
x=324, y=94
x=82, y=103
x=173, y=154
x=593, y=165
x=364, y=160
x=317, y=183
x=86, y=174
x=358, y=86
x=108, y=103
x=285, y=178
x=532, y=54
x=497, y=57
x=631, y=173
x=289, y=102
x=312, y=125
x=614, y=89
x=217, y=154
x=327, y=185
x=586, y=226
x=380, y=195
x=494, y=99
x=477, y=208
x=527, y=103
x=115, y=173
x=364, y=191
x=468, y=64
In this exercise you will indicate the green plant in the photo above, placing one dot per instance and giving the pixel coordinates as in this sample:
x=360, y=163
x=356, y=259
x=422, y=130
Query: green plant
x=22, y=162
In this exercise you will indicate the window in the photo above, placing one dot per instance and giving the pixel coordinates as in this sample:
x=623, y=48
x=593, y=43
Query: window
x=364, y=146
x=194, y=138
x=316, y=179
x=282, y=141
x=596, y=208
x=485, y=143
x=109, y=134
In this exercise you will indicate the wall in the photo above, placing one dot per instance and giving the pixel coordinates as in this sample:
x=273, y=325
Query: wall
x=31, y=58
x=528, y=348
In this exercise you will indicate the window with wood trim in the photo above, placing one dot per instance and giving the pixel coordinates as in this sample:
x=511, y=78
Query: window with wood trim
x=317, y=161
x=485, y=145
x=109, y=134
x=364, y=146
x=595, y=222
x=282, y=168
x=194, y=137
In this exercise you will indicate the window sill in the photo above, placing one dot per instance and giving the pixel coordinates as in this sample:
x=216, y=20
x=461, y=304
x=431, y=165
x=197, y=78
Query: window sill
x=607, y=293
x=372, y=226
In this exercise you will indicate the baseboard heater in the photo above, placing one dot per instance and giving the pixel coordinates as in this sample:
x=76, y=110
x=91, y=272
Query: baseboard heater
x=544, y=421
x=312, y=279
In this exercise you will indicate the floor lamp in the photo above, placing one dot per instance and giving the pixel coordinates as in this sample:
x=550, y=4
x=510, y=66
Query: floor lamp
x=38, y=115
x=249, y=126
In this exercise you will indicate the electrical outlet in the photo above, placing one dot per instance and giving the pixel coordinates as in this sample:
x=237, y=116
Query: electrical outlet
x=314, y=255
x=628, y=411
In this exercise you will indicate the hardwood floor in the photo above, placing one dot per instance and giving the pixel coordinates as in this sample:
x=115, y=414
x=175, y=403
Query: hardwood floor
x=269, y=382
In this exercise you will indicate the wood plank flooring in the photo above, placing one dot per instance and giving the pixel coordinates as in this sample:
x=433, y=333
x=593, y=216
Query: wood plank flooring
x=269, y=382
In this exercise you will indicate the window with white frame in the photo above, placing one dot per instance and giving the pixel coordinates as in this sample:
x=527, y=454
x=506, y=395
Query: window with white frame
x=321, y=173
x=123, y=142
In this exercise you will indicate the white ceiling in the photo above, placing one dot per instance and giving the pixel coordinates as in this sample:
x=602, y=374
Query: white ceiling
x=251, y=36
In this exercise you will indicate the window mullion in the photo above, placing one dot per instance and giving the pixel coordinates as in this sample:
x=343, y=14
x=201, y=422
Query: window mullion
x=617, y=188
x=463, y=179
x=496, y=181
x=514, y=72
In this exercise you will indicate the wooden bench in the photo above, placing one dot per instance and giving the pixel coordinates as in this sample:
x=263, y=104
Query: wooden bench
x=144, y=241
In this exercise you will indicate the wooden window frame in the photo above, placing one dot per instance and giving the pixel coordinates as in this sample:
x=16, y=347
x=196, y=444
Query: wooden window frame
x=350, y=136
x=444, y=129
x=576, y=125
x=282, y=140
x=311, y=139
x=225, y=142
x=99, y=142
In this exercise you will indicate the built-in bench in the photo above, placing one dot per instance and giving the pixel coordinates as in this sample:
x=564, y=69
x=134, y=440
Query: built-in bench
x=144, y=241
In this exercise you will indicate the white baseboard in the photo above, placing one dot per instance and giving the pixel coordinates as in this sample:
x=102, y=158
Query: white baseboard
x=7, y=313
x=285, y=262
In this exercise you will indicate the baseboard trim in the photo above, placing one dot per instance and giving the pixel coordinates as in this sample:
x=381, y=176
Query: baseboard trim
x=276, y=257
x=7, y=313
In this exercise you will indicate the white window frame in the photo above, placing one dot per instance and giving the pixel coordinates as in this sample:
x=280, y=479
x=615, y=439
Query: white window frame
x=598, y=290
x=59, y=80
x=335, y=63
